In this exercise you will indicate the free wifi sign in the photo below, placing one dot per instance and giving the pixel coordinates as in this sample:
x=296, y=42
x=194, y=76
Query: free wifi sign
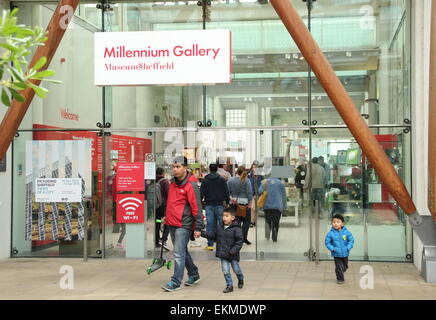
x=130, y=208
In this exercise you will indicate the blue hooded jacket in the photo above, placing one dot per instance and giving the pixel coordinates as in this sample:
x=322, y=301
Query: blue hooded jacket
x=339, y=242
x=276, y=198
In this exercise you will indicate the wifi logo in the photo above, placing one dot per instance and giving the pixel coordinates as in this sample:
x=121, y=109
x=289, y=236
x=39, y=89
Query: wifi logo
x=130, y=204
x=130, y=208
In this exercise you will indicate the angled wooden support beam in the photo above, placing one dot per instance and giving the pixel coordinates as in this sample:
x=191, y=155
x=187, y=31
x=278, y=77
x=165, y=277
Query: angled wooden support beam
x=57, y=26
x=345, y=106
x=432, y=118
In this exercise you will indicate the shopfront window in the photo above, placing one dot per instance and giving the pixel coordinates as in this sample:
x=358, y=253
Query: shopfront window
x=261, y=118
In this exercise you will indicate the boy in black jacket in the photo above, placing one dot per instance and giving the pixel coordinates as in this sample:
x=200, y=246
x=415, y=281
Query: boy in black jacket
x=229, y=241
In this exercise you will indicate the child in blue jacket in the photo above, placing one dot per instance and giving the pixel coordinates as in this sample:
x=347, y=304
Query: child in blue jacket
x=339, y=241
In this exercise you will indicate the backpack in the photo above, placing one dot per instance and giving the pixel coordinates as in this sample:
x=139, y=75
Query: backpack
x=160, y=200
x=154, y=194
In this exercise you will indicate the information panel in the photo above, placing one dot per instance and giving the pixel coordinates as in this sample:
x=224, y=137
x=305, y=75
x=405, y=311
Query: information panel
x=58, y=190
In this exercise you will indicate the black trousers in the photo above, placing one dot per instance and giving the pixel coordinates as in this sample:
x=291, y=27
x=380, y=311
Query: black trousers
x=272, y=218
x=341, y=265
x=160, y=213
x=245, y=223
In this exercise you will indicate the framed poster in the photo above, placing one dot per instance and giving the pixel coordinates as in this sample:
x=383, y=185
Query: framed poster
x=58, y=178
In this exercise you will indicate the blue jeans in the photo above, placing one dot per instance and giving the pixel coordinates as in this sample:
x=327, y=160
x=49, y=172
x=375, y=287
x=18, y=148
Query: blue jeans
x=225, y=267
x=214, y=217
x=180, y=238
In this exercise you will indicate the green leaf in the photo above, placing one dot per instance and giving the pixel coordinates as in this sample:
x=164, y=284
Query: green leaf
x=17, y=96
x=5, y=98
x=16, y=74
x=41, y=62
x=40, y=91
x=18, y=85
x=53, y=81
x=43, y=74
x=9, y=47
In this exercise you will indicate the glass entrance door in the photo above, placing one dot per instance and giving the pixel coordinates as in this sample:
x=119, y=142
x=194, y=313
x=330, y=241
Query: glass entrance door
x=280, y=229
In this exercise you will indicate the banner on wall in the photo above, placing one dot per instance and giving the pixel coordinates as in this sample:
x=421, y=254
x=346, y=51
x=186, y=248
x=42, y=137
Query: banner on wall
x=162, y=57
x=58, y=177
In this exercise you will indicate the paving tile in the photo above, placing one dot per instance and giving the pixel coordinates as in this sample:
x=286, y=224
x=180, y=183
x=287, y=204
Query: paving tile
x=126, y=279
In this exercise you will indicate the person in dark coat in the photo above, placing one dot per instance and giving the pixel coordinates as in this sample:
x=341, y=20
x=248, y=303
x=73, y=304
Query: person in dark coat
x=229, y=241
x=215, y=192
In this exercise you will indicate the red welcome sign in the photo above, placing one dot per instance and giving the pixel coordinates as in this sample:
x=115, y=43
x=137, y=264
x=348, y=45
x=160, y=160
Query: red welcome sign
x=130, y=176
x=130, y=208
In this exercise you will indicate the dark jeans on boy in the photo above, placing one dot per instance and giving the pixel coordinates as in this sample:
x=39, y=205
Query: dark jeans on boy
x=341, y=265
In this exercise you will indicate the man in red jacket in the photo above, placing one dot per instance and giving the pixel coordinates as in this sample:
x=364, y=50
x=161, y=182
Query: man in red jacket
x=183, y=216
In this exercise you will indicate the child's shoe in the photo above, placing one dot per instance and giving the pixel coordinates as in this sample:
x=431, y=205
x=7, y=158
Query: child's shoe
x=228, y=289
x=240, y=284
x=340, y=282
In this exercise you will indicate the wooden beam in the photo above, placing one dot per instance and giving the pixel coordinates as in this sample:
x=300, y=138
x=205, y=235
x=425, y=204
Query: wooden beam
x=431, y=118
x=343, y=103
x=16, y=112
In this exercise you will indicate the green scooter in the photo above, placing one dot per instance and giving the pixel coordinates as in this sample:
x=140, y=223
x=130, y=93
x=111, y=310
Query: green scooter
x=159, y=262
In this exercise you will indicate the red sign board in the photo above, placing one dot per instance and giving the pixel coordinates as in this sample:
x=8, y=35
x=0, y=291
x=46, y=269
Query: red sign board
x=130, y=176
x=130, y=208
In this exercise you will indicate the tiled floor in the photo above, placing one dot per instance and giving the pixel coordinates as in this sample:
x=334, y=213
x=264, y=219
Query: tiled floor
x=127, y=279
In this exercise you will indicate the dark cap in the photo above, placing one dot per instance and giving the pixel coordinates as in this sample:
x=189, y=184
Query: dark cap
x=182, y=160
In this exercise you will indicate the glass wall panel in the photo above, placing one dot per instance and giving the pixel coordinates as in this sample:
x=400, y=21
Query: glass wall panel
x=354, y=190
x=283, y=234
x=76, y=102
x=368, y=45
x=154, y=106
x=387, y=222
x=269, y=74
x=126, y=153
x=51, y=217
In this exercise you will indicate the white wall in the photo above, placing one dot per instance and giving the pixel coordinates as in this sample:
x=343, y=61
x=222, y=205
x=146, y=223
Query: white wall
x=421, y=11
x=5, y=202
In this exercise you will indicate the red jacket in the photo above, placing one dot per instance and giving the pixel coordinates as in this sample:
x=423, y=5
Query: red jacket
x=184, y=204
